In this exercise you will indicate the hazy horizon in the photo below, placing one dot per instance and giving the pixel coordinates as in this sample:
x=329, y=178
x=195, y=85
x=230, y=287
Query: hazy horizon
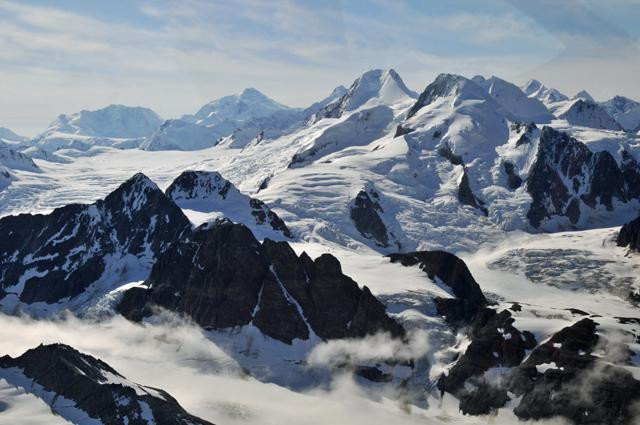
x=173, y=59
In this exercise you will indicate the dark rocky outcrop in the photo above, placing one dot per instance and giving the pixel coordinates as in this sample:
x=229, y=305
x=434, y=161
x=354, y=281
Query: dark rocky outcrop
x=630, y=235
x=209, y=191
x=263, y=214
x=454, y=273
x=401, y=131
x=58, y=255
x=514, y=181
x=222, y=277
x=580, y=387
x=526, y=132
x=95, y=388
x=466, y=195
x=365, y=215
x=445, y=151
x=494, y=342
x=566, y=175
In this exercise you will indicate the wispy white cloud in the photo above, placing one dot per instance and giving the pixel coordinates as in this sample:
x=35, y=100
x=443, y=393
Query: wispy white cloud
x=189, y=52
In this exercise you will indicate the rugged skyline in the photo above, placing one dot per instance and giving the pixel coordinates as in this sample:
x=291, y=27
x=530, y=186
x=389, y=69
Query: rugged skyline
x=63, y=58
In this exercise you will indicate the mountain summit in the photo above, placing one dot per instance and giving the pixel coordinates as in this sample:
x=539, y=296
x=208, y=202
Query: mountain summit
x=237, y=109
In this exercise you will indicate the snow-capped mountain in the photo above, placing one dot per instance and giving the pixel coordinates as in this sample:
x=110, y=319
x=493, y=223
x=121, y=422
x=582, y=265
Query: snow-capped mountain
x=9, y=137
x=374, y=88
x=83, y=389
x=535, y=89
x=58, y=256
x=514, y=100
x=112, y=125
x=206, y=195
x=181, y=135
x=587, y=113
x=625, y=111
x=236, y=109
x=425, y=261
x=584, y=95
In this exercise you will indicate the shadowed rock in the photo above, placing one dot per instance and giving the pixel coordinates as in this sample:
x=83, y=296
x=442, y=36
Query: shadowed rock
x=365, y=215
x=222, y=277
x=58, y=255
x=630, y=235
x=454, y=273
x=566, y=175
x=95, y=388
x=574, y=383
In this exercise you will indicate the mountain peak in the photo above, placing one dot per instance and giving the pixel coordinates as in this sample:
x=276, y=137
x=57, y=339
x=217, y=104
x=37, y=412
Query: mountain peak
x=583, y=94
x=374, y=87
x=8, y=135
x=514, y=100
x=446, y=85
x=531, y=86
x=114, y=121
x=253, y=94
x=535, y=89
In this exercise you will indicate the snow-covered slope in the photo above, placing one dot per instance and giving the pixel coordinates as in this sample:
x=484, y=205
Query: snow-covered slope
x=373, y=88
x=114, y=125
x=587, y=113
x=535, y=89
x=514, y=100
x=206, y=195
x=520, y=312
x=625, y=111
x=8, y=136
x=237, y=109
x=584, y=95
x=182, y=136
x=10, y=158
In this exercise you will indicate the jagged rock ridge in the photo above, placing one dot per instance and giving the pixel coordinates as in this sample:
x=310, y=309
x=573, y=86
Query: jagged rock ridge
x=567, y=174
x=209, y=191
x=55, y=256
x=59, y=374
x=222, y=277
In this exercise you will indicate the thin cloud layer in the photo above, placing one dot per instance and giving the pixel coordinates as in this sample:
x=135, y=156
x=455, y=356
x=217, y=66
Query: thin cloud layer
x=174, y=57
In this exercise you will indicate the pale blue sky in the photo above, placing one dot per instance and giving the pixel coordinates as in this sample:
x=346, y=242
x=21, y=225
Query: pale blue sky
x=62, y=56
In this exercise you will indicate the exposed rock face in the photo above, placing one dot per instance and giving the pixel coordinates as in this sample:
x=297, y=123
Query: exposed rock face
x=494, y=342
x=562, y=377
x=514, y=181
x=453, y=272
x=630, y=235
x=51, y=257
x=365, y=215
x=527, y=131
x=566, y=174
x=209, y=191
x=577, y=385
x=466, y=195
x=222, y=277
x=94, y=387
x=625, y=111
